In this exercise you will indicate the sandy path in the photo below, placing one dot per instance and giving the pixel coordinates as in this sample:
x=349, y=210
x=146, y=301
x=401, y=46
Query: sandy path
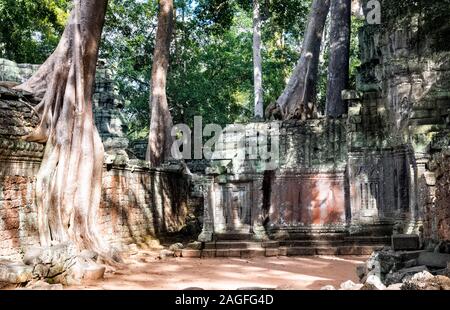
x=146, y=271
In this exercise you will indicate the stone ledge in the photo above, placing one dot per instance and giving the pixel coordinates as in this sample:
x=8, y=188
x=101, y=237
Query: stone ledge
x=405, y=242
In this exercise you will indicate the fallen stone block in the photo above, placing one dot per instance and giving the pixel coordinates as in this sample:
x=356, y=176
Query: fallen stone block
x=374, y=282
x=350, y=286
x=43, y=286
x=15, y=273
x=405, y=242
x=410, y=263
x=56, y=257
x=421, y=281
x=388, y=261
x=194, y=245
x=176, y=246
x=440, y=272
x=94, y=272
x=409, y=255
x=403, y=274
x=431, y=259
x=81, y=271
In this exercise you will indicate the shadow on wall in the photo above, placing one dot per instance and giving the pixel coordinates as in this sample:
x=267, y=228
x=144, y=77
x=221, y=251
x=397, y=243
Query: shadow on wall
x=140, y=204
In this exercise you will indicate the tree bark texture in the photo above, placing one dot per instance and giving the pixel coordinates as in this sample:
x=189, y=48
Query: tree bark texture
x=68, y=185
x=160, y=138
x=257, y=61
x=298, y=98
x=338, y=67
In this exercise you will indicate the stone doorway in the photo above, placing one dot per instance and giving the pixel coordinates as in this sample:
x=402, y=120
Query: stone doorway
x=236, y=207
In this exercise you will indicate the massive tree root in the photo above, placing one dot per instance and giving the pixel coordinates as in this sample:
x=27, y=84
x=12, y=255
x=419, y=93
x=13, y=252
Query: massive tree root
x=298, y=99
x=68, y=186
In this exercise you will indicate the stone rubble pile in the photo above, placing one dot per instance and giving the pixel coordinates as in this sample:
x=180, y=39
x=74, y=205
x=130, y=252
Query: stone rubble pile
x=412, y=269
x=43, y=266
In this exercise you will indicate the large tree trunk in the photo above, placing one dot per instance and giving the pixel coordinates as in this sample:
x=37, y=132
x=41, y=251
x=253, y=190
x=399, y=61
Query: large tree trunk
x=257, y=61
x=338, y=68
x=298, y=99
x=160, y=139
x=68, y=186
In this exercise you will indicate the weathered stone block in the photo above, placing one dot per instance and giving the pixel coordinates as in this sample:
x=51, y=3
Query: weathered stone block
x=373, y=282
x=191, y=253
x=251, y=253
x=399, y=276
x=208, y=253
x=272, y=252
x=432, y=259
x=327, y=251
x=405, y=242
x=15, y=273
x=270, y=244
x=409, y=255
x=283, y=251
x=299, y=251
x=194, y=245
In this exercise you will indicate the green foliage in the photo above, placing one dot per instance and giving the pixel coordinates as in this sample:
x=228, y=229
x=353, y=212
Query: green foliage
x=211, y=68
x=30, y=29
x=211, y=73
x=355, y=56
x=127, y=45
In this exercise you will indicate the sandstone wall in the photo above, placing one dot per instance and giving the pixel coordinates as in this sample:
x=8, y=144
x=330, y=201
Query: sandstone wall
x=19, y=163
x=308, y=188
x=400, y=119
x=437, y=212
x=142, y=203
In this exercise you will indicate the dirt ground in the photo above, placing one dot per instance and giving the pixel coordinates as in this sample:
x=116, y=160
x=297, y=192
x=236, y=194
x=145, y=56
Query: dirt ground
x=146, y=271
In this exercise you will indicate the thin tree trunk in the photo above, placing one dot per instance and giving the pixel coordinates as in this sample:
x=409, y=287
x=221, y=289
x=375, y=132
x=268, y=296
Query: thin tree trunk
x=298, y=99
x=68, y=185
x=338, y=68
x=257, y=61
x=160, y=139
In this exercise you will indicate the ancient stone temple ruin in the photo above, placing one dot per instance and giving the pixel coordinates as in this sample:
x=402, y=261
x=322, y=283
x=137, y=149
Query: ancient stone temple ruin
x=342, y=186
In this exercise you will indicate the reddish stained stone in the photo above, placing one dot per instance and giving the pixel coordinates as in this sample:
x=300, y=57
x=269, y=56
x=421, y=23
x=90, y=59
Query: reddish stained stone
x=310, y=201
